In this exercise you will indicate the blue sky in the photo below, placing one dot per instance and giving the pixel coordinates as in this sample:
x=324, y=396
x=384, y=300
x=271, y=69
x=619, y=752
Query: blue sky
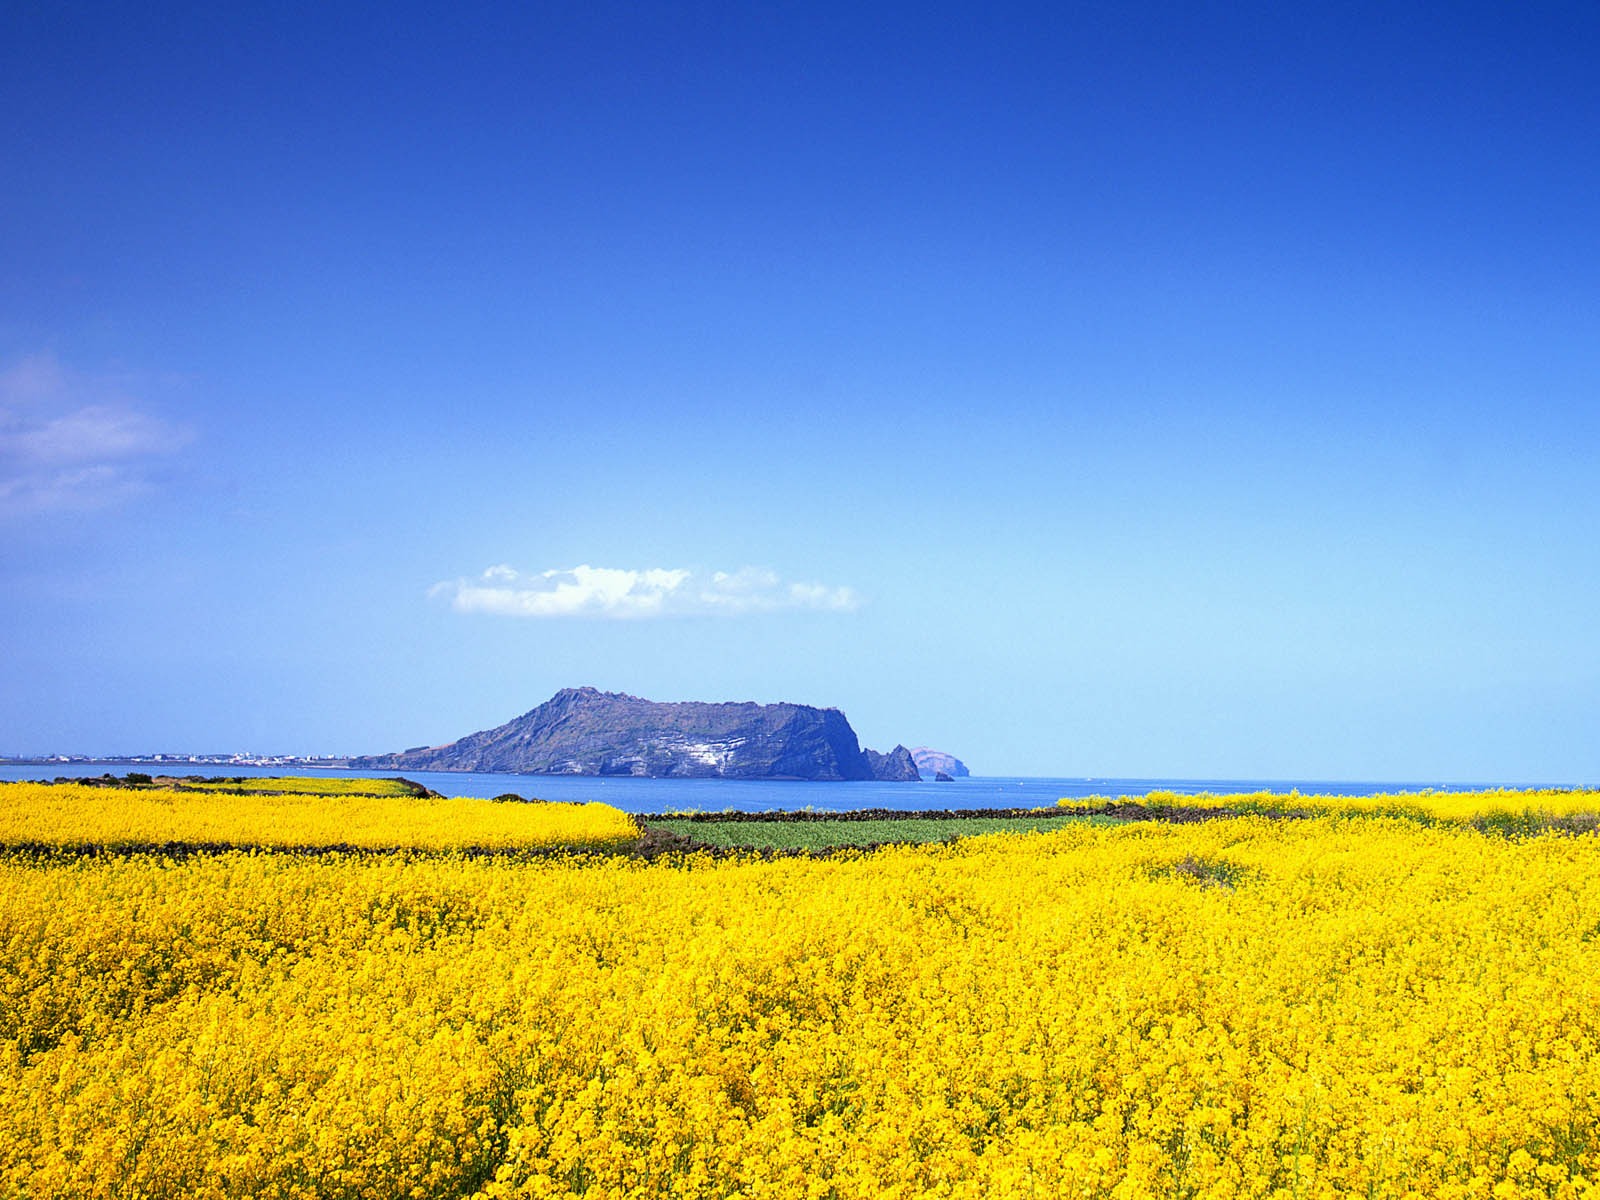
x=1155, y=390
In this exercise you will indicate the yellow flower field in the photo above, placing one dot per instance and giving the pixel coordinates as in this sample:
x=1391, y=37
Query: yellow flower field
x=1537, y=804
x=1326, y=1007
x=305, y=785
x=42, y=814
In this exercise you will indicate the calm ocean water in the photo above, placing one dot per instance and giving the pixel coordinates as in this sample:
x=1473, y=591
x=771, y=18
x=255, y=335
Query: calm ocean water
x=717, y=795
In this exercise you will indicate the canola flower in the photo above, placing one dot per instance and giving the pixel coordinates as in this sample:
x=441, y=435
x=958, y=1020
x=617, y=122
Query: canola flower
x=1244, y=1008
x=68, y=815
x=1529, y=806
x=306, y=785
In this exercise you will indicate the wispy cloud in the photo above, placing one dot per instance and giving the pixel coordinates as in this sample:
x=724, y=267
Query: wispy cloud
x=71, y=440
x=624, y=594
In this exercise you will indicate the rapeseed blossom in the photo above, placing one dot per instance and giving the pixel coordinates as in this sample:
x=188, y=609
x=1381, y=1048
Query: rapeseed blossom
x=1529, y=806
x=305, y=785
x=68, y=815
x=1238, y=1008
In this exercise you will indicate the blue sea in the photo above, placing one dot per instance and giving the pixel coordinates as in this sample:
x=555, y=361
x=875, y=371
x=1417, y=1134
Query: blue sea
x=720, y=795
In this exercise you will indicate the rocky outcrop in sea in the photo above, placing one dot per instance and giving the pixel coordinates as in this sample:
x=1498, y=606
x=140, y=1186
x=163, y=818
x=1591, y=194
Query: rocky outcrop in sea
x=582, y=731
x=897, y=766
x=931, y=762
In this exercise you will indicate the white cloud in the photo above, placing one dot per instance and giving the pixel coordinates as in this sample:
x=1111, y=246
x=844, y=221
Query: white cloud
x=95, y=433
x=69, y=440
x=624, y=594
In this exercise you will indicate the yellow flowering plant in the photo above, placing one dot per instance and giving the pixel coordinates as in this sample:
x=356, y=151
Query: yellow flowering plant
x=1234, y=1008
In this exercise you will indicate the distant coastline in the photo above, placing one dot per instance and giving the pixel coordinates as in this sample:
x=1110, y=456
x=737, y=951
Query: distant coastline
x=644, y=795
x=333, y=762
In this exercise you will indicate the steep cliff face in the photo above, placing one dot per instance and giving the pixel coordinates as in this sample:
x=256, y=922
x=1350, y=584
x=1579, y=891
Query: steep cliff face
x=897, y=766
x=931, y=762
x=581, y=731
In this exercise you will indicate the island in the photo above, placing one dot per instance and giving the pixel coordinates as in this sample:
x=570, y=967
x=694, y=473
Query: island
x=937, y=762
x=583, y=731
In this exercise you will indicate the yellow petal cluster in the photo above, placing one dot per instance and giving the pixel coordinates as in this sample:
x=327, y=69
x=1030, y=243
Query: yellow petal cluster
x=42, y=814
x=1515, y=804
x=1239, y=1008
x=305, y=785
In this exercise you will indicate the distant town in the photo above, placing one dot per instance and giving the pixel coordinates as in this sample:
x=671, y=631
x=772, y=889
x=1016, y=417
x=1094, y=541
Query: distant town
x=178, y=760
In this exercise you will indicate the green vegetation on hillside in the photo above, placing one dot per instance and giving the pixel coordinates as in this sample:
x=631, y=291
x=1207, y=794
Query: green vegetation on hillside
x=301, y=785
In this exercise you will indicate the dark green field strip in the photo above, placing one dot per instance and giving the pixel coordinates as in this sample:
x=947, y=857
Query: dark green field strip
x=729, y=816
x=853, y=830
